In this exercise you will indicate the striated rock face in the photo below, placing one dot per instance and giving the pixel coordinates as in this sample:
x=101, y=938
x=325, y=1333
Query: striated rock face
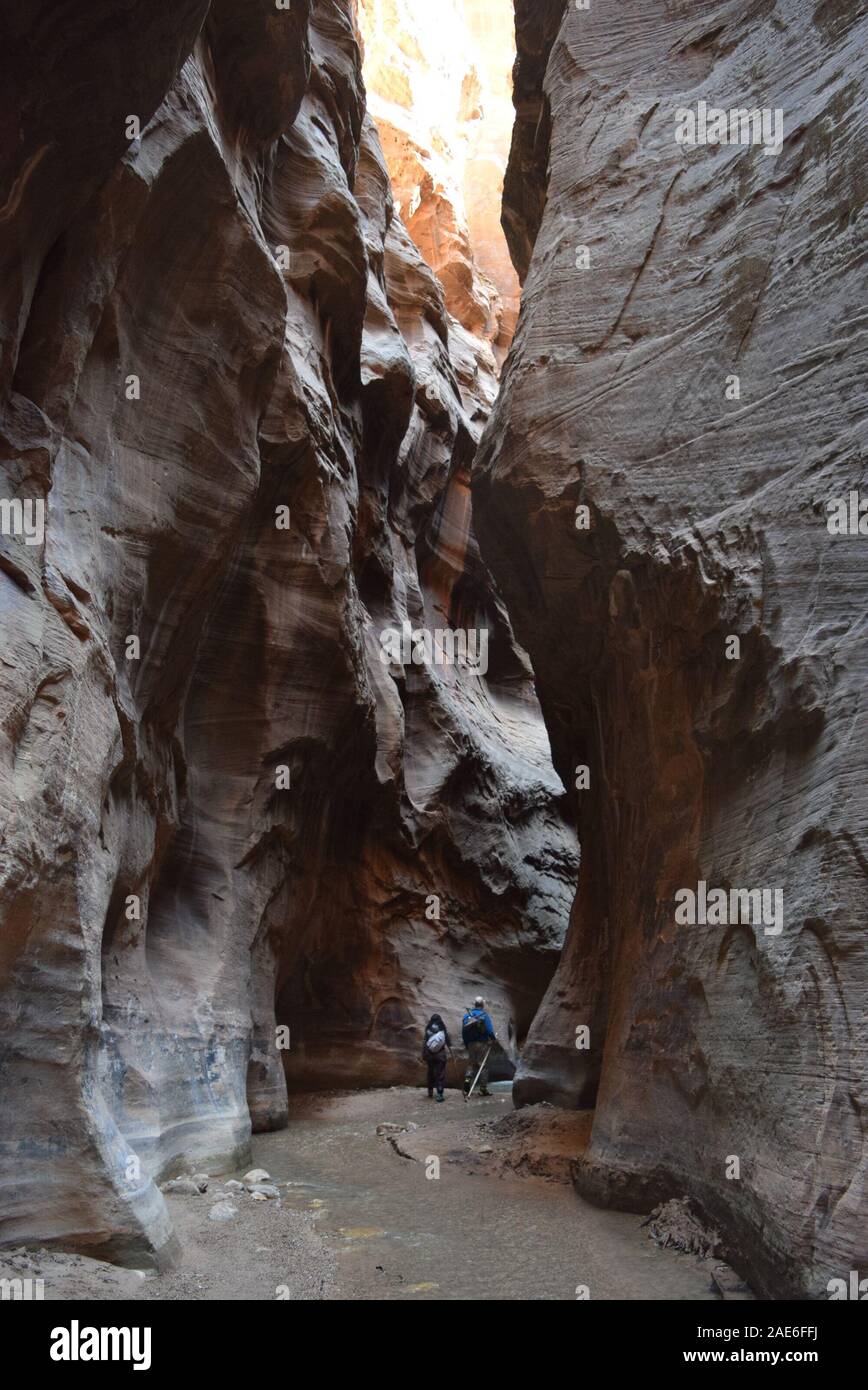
x=222, y=810
x=738, y=766
x=440, y=89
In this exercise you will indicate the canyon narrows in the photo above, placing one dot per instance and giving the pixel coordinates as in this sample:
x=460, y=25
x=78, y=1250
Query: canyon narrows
x=338, y=593
x=689, y=368
x=229, y=825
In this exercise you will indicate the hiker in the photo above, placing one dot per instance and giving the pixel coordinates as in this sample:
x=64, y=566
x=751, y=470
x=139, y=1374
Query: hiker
x=434, y=1050
x=477, y=1032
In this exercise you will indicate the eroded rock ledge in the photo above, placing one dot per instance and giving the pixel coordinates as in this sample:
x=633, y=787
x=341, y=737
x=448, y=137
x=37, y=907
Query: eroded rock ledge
x=707, y=520
x=204, y=323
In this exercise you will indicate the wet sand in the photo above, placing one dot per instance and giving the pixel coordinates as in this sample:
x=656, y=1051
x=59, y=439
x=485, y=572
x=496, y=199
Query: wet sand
x=400, y=1234
x=359, y=1217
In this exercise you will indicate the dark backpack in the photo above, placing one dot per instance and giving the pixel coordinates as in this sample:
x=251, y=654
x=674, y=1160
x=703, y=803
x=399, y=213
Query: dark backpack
x=473, y=1028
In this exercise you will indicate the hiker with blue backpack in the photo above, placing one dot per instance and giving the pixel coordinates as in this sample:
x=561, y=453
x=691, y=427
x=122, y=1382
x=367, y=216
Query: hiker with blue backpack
x=477, y=1034
x=434, y=1052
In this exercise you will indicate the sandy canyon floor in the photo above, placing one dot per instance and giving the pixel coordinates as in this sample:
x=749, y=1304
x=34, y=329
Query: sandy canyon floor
x=359, y=1217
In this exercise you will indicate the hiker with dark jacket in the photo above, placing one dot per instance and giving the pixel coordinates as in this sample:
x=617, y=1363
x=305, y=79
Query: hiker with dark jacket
x=434, y=1050
x=477, y=1033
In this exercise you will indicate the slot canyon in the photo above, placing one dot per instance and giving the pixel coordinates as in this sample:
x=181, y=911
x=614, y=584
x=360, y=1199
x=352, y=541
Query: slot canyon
x=430, y=462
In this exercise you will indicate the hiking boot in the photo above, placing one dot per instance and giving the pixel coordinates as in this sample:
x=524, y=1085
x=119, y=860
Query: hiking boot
x=440, y=1095
x=484, y=1091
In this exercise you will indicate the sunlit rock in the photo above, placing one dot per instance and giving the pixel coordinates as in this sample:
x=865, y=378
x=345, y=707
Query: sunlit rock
x=440, y=89
x=238, y=849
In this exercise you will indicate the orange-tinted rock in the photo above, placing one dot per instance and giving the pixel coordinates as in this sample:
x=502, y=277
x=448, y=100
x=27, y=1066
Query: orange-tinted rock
x=214, y=322
x=439, y=83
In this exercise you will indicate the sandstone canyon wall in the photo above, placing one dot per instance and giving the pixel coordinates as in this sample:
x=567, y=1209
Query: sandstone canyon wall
x=439, y=80
x=221, y=811
x=706, y=520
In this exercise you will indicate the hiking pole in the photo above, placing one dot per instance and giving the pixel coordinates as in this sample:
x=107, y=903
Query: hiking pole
x=479, y=1073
